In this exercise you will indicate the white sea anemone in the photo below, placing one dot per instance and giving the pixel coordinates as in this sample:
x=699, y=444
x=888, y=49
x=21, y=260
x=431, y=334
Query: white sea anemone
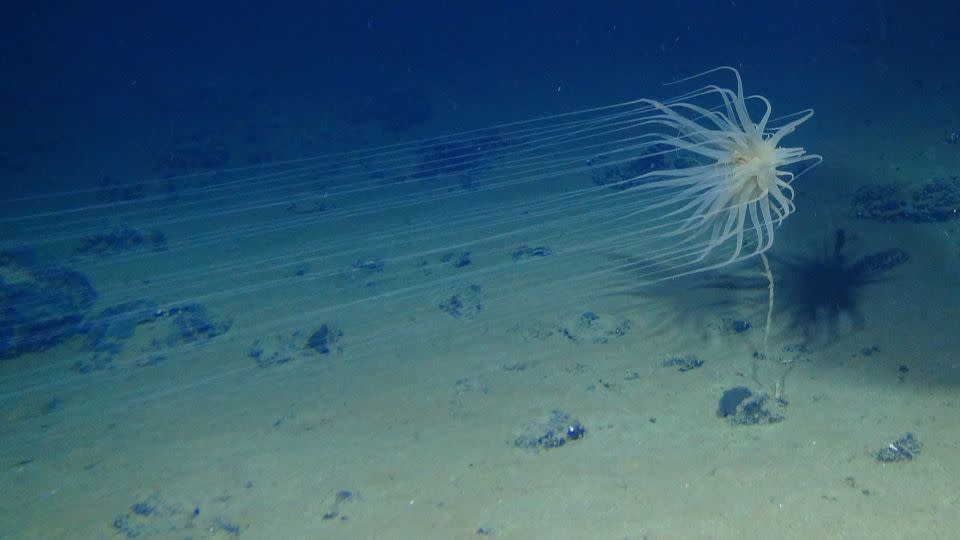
x=726, y=202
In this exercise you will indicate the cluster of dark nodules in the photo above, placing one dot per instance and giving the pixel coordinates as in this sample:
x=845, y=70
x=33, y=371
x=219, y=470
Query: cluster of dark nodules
x=740, y=406
x=336, y=509
x=121, y=239
x=369, y=265
x=683, y=363
x=937, y=200
x=590, y=327
x=799, y=348
x=459, y=260
x=279, y=350
x=155, y=516
x=740, y=326
x=728, y=325
x=467, y=303
x=453, y=306
x=267, y=355
x=880, y=261
x=192, y=324
x=364, y=270
x=902, y=371
x=903, y=449
x=526, y=252
x=557, y=431
x=41, y=306
x=107, y=332
x=323, y=338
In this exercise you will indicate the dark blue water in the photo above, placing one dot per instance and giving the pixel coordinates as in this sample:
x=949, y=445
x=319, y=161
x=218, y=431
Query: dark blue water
x=59, y=59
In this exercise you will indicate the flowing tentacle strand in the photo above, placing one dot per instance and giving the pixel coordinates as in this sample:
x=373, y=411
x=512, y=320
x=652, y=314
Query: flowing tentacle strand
x=675, y=186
